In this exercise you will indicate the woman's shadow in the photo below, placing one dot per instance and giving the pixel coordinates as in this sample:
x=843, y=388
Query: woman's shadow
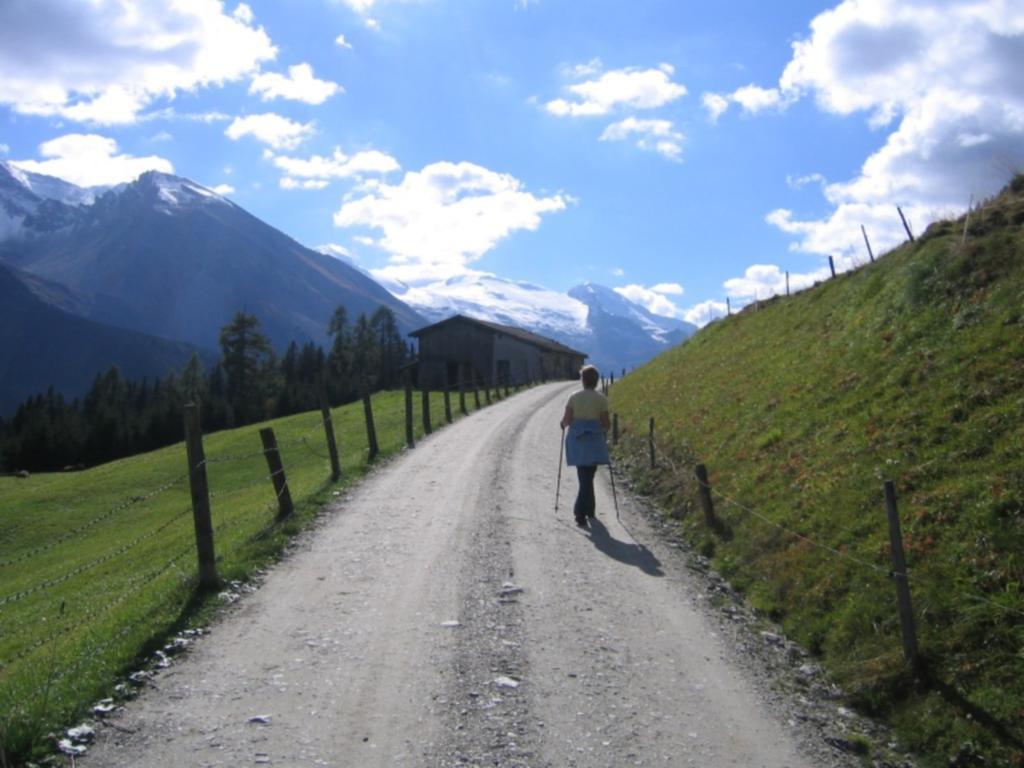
x=631, y=554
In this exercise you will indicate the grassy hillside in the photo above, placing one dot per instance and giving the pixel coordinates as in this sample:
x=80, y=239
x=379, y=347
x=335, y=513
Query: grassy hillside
x=910, y=369
x=96, y=567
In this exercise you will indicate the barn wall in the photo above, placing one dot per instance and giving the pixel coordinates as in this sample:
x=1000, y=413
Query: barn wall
x=522, y=361
x=454, y=350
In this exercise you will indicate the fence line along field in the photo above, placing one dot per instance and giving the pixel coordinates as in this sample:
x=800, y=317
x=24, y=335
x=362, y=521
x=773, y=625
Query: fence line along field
x=97, y=567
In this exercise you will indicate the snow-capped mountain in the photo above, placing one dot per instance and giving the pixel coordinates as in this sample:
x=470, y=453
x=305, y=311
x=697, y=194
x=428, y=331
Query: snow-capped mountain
x=615, y=332
x=660, y=328
x=171, y=258
x=32, y=204
x=489, y=297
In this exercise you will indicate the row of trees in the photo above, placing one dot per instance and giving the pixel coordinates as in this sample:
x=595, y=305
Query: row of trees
x=249, y=383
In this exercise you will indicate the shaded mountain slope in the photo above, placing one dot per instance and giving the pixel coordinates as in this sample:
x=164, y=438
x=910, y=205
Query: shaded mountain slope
x=168, y=257
x=911, y=368
x=41, y=345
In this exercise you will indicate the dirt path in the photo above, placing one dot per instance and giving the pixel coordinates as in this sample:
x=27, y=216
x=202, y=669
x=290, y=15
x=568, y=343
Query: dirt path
x=571, y=649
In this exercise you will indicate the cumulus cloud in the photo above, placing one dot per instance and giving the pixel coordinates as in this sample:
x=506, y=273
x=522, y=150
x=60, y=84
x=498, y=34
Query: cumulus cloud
x=631, y=88
x=438, y=220
x=703, y=313
x=106, y=60
x=762, y=281
x=224, y=189
x=655, y=298
x=652, y=135
x=751, y=99
x=277, y=131
x=341, y=42
x=716, y=104
x=944, y=78
x=299, y=85
x=89, y=160
x=4, y=149
x=318, y=171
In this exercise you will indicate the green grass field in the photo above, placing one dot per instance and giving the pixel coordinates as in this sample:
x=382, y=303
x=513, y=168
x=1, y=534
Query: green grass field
x=98, y=567
x=910, y=369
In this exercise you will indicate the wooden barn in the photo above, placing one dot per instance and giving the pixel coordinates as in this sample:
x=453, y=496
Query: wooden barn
x=461, y=348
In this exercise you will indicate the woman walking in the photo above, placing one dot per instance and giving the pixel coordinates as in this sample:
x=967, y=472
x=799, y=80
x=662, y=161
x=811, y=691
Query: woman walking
x=586, y=417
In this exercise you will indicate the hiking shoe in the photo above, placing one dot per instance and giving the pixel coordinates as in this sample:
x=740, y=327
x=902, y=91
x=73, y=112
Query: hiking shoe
x=581, y=522
x=592, y=513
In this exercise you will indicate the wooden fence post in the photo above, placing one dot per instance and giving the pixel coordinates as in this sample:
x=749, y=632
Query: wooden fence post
x=905, y=225
x=200, y=498
x=506, y=388
x=409, y=441
x=371, y=430
x=728, y=307
x=426, y=411
x=284, y=496
x=447, y=404
x=967, y=219
x=832, y=266
x=462, y=397
x=611, y=380
x=332, y=446
x=487, y=392
x=706, y=502
x=867, y=242
x=476, y=396
x=615, y=429
x=787, y=282
x=650, y=440
x=899, y=576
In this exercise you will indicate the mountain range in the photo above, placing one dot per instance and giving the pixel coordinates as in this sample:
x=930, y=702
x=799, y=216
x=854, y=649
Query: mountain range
x=615, y=332
x=142, y=274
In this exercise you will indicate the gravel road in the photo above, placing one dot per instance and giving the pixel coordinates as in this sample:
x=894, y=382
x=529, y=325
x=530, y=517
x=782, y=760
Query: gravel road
x=442, y=614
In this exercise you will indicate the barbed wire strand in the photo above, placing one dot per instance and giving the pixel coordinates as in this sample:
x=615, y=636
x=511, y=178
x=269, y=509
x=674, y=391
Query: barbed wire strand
x=20, y=595
x=130, y=502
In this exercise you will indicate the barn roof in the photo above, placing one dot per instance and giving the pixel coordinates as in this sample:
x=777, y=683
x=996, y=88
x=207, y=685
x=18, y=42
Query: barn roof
x=510, y=330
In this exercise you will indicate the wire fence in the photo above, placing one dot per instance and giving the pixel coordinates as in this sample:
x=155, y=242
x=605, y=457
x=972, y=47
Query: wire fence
x=83, y=601
x=858, y=567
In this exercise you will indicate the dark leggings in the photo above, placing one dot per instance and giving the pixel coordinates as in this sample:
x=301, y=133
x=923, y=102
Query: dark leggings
x=585, y=503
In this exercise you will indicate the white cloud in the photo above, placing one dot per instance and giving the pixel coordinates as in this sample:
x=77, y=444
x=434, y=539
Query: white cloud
x=287, y=182
x=161, y=136
x=4, y=149
x=300, y=85
x=277, y=131
x=438, y=220
x=654, y=299
x=317, y=171
x=652, y=135
x=224, y=189
x=618, y=272
x=361, y=7
x=341, y=42
x=946, y=76
x=716, y=104
x=243, y=13
x=106, y=60
x=632, y=88
x=762, y=281
x=670, y=289
x=89, y=160
x=754, y=99
x=703, y=313
x=799, y=182
x=751, y=99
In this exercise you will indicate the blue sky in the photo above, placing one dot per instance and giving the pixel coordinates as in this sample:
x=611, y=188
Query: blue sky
x=678, y=151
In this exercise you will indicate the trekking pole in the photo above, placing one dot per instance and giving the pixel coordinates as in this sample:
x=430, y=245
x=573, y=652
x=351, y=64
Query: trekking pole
x=615, y=498
x=558, y=485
